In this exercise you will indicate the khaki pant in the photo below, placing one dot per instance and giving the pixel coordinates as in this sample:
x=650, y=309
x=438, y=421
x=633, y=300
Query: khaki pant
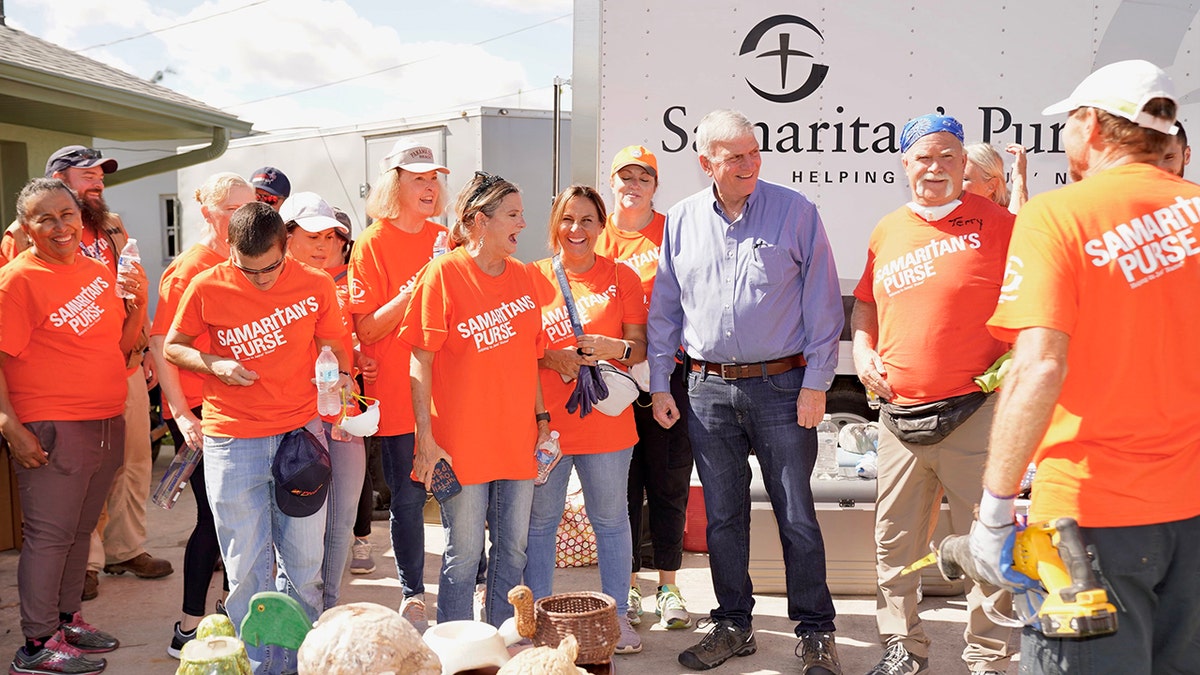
x=120, y=534
x=912, y=481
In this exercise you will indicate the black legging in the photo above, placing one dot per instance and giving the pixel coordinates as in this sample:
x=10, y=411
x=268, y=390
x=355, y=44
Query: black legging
x=202, y=552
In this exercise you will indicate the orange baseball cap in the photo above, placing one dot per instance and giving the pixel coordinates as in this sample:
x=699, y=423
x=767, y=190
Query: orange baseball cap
x=635, y=155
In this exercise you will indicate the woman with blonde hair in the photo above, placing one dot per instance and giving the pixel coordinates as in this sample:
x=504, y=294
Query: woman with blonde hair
x=984, y=175
x=383, y=267
x=476, y=336
x=219, y=196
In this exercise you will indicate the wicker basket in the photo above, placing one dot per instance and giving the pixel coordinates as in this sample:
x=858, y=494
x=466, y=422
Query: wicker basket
x=590, y=617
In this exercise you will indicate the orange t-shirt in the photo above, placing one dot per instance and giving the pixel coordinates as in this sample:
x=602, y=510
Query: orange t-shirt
x=607, y=297
x=934, y=285
x=269, y=332
x=8, y=246
x=1112, y=262
x=96, y=246
x=61, y=327
x=385, y=262
x=174, y=282
x=638, y=250
x=486, y=332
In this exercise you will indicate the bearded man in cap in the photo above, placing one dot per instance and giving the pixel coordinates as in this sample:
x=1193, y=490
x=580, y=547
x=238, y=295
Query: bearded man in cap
x=933, y=273
x=1100, y=393
x=118, y=544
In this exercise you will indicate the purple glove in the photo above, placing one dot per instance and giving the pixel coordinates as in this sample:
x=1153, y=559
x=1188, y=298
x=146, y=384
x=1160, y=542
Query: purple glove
x=586, y=392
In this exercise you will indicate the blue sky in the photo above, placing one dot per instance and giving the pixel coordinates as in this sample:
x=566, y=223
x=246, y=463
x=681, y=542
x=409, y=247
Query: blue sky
x=242, y=55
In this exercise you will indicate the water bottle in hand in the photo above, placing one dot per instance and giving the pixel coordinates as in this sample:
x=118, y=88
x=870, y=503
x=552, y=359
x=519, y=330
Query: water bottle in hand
x=129, y=256
x=441, y=244
x=548, y=454
x=827, y=441
x=329, y=399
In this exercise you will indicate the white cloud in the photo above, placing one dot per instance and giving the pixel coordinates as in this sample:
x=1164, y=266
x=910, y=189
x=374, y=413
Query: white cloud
x=531, y=6
x=261, y=52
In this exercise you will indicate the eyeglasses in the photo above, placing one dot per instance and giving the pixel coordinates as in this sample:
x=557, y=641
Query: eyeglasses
x=489, y=180
x=266, y=270
x=266, y=198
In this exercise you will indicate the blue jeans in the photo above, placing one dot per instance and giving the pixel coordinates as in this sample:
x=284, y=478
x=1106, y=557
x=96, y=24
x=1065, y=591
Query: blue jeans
x=605, y=478
x=255, y=535
x=501, y=509
x=726, y=420
x=407, y=512
x=1152, y=574
x=349, y=461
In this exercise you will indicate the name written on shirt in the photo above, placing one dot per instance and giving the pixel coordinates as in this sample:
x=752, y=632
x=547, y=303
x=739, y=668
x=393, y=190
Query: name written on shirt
x=260, y=337
x=81, y=312
x=915, y=267
x=490, y=329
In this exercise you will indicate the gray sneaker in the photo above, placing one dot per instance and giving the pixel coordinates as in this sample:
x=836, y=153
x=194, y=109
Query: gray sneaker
x=56, y=656
x=413, y=609
x=818, y=654
x=360, y=557
x=897, y=661
x=629, y=642
x=724, y=640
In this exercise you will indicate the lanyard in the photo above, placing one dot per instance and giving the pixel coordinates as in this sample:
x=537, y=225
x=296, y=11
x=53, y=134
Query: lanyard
x=572, y=311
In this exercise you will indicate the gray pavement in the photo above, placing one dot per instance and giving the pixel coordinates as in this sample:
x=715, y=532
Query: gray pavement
x=142, y=612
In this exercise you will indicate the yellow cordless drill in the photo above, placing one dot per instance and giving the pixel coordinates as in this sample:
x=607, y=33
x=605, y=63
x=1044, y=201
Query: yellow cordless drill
x=1052, y=552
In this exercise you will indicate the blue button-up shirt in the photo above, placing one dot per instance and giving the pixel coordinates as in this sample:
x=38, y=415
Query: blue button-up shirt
x=759, y=288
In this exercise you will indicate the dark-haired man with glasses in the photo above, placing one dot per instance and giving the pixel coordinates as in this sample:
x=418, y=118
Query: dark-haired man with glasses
x=118, y=544
x=267, y=316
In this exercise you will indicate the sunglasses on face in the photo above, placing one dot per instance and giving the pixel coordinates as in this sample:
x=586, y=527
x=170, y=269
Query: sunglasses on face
x=266, y=270
x=267, y=198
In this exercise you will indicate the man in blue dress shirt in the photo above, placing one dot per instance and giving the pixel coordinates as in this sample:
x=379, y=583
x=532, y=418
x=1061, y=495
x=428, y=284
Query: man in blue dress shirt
x=746, y=282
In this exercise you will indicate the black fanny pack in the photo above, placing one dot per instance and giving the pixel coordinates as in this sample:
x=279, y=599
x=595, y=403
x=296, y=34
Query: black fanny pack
x=930, y=423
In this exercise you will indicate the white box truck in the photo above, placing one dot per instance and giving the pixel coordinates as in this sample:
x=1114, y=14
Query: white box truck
x=829, y=85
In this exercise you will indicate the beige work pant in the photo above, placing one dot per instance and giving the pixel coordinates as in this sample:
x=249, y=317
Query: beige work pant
x=120, y=533
x=912, y=481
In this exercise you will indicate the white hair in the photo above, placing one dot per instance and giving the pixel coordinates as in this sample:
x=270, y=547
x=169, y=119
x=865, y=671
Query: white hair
x=720, y=126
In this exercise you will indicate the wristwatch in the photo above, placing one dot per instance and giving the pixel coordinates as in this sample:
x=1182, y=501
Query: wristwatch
x=628, y=351
x=543, y=417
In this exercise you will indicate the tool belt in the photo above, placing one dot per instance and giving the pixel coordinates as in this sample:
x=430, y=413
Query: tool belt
x=738, y=371
x=929, y=423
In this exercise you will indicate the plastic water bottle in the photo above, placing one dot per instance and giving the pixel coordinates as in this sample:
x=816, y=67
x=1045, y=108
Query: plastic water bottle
x=827, y=435
x=548, y=454
x=177, y=476
x=329, y=400
x=441, y=244
x=129, y=255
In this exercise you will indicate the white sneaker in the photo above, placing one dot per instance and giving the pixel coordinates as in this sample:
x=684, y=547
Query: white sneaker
x=413, y=609
x=629, y=642
x=360, y=557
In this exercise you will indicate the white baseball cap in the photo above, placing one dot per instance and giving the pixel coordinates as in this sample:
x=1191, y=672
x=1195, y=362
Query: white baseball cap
x=411, y=156
x=1123, y=89
x=310, y=212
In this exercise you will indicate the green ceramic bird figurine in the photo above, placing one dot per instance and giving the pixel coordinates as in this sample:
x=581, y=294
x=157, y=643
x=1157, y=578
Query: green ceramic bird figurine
x=275, y=619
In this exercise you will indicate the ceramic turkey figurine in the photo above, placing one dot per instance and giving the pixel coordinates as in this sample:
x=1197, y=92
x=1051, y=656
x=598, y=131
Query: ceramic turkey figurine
x=558, y=660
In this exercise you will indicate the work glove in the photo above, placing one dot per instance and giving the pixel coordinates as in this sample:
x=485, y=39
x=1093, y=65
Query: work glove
x=992, y=537
x=589, y=390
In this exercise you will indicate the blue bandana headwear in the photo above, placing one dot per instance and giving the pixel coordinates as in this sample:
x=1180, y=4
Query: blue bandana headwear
x=919, y=127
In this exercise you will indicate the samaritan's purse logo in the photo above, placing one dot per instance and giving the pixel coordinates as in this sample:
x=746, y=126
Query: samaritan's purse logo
x=784, y=53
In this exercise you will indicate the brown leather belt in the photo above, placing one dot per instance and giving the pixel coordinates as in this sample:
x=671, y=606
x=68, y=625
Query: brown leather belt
x=737, y=371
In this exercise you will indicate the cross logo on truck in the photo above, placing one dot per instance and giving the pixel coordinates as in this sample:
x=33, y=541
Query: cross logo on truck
x=784, y=53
